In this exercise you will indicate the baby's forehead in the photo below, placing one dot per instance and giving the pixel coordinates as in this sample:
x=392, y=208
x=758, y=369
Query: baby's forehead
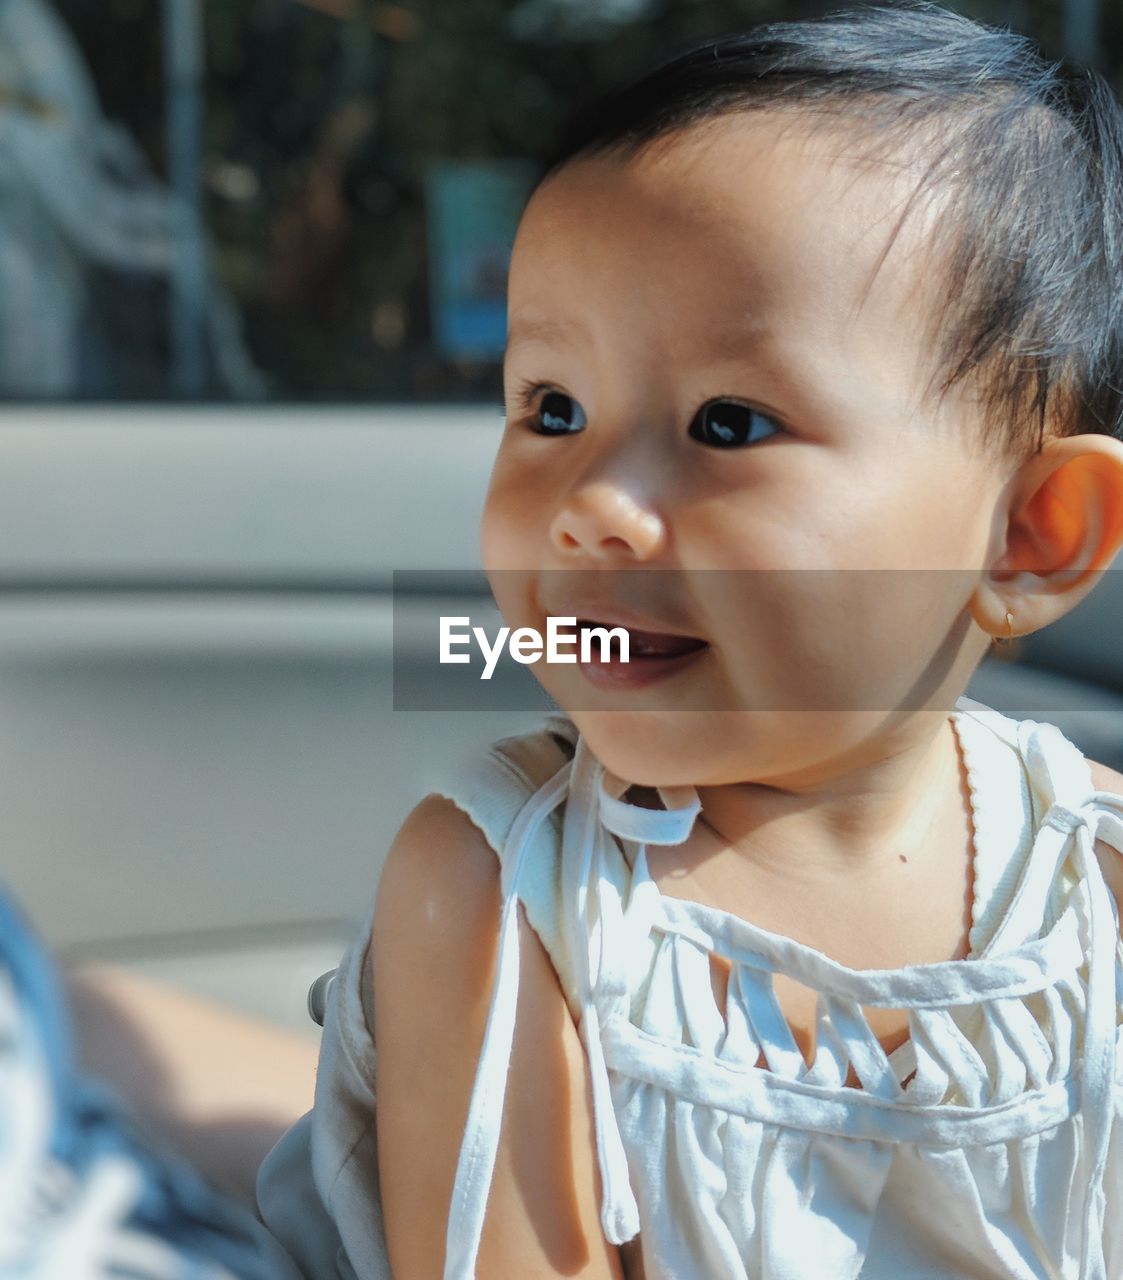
x=803, y=218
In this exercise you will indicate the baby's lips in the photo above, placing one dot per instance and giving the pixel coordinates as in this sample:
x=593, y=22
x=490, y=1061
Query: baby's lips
x=655, y=642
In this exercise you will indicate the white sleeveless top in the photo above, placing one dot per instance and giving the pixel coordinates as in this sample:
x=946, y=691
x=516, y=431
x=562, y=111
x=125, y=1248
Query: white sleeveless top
x=984, y=1146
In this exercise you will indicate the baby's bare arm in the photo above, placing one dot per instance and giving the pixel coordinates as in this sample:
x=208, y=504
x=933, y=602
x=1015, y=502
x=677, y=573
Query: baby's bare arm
x=433, y=952
x=215, y=1085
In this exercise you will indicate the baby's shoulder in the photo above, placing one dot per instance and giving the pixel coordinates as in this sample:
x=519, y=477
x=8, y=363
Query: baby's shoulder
x=437, y=856
x=440, y=890
x=436, y=905
x=1106, y=779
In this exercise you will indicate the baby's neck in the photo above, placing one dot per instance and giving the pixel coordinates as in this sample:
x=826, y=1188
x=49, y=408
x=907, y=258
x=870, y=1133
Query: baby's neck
x=883, y=812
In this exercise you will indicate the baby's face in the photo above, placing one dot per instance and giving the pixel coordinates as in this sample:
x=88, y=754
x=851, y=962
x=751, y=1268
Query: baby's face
x=709, y=374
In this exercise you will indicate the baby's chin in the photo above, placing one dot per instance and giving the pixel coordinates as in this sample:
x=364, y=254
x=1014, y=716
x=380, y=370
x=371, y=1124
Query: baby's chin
x=706, y=749
x=661, y=748
x=641, y=747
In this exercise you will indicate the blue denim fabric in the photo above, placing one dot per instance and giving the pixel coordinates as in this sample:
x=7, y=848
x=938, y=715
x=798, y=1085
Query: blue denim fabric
x=83, y=1196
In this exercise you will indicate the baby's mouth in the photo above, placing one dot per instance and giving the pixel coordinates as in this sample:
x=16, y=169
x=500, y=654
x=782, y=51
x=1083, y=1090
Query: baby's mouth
x=644, y=644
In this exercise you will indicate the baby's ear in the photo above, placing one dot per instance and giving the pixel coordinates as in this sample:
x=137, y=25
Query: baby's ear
x=1063, y=528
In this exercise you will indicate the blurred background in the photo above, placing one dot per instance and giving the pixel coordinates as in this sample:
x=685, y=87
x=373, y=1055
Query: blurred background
x=252, y=268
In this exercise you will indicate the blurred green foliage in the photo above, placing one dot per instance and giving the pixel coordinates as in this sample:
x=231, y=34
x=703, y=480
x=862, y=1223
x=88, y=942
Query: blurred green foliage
x=322, y=115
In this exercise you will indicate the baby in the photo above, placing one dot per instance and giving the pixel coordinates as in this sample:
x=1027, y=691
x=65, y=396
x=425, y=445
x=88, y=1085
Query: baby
x=769, y=965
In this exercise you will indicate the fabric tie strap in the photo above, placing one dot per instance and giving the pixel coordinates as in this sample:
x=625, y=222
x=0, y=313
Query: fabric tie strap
x=593, y=809
x=480, y=1146
x=1097, y=1102
x=1078, y=813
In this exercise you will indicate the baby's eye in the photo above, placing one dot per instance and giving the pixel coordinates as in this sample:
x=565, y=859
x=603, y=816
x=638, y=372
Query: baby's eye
x=727, y=424
x=557, y=414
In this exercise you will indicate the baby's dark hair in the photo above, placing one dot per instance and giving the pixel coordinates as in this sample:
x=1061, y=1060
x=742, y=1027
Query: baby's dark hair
x=1028, y=152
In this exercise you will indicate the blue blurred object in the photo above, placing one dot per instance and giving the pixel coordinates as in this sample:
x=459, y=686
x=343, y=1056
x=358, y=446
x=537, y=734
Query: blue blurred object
x=82, y=1195
x=472, y=209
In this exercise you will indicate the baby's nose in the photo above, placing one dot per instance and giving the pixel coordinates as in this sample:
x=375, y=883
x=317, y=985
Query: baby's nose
x=604, y=521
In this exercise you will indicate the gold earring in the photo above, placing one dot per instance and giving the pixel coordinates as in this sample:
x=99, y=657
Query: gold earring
x=1009, y=630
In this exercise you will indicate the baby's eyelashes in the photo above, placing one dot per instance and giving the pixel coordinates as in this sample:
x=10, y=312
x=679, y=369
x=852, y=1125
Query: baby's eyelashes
x=723, y=424
x=728, y=424
x=559, y=414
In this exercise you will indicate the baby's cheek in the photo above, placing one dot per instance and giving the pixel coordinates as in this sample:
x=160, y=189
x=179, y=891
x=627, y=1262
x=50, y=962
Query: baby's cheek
x=940, y=515
x=491, y=541
x=504, y=544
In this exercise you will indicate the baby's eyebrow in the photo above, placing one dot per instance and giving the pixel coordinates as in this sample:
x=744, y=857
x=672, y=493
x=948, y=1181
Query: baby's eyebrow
x=738, y=341
x=734, y=341
x=542, y=329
